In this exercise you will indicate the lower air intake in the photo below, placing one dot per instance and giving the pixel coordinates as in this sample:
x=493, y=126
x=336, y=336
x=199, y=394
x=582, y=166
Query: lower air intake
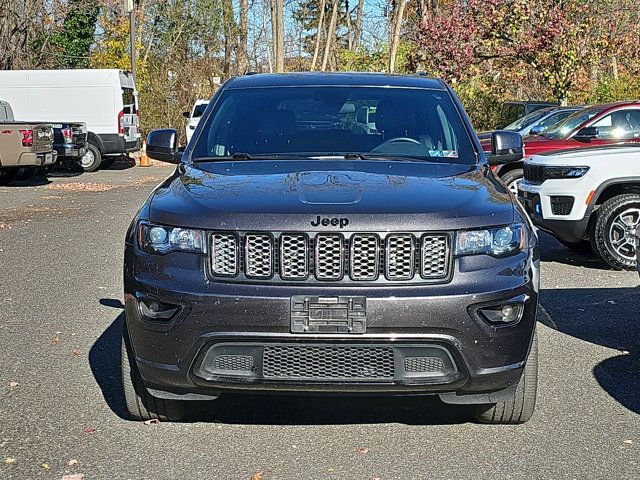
x=353, y=363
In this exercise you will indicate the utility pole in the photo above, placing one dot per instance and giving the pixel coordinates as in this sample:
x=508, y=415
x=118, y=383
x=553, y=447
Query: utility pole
x=129, y=7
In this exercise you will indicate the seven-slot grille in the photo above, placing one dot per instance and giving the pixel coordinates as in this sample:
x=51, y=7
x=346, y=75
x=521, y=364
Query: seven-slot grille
x=534, y=173
x=331, y=257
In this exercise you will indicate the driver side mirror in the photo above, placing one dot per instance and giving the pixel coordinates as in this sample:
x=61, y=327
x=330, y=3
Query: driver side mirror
x=163, y=145
x=586, y=134
x=186, y=114
x=506, y=147
x=537, y=130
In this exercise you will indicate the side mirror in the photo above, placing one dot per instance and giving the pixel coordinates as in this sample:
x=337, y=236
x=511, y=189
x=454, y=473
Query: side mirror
x=163, y=145
x=506, y=147
x=537, y=130
x=186, y=114
x=586, y=134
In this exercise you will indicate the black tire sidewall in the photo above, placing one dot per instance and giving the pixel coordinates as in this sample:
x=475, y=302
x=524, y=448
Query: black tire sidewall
x=600, y=235
x=97, y=156
x=510, y=176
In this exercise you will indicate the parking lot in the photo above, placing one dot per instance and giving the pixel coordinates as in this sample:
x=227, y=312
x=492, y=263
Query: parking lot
x=61, y=411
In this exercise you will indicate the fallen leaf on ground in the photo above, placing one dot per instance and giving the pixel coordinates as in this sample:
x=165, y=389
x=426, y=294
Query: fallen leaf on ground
x=73, y=476
x=81, y=187
x=257, y=476
x=153, y=421
x=55, y=340
x=9, y=460
x=76, y=352
x=72, y=462
x=13, y=385
x=4, y=226
x=362, y=450
x=46, y=466
x=629, y=442
x=89, y=430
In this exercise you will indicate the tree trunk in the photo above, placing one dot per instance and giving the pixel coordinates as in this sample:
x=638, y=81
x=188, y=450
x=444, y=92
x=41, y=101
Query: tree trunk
x=357, y=34
x=277, y=27
x=330, y=34
x=349, y=29
x=316, y=48
x=396, y=28
x=243, y=37
x=266, y=35
x=230, y=39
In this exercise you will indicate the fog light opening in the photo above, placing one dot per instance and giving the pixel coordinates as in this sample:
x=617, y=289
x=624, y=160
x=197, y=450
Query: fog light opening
x=154, y=310
x=503, y=314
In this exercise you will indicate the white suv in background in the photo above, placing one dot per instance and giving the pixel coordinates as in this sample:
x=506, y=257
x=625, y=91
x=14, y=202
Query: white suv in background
x=193, y=117
x=587, y=197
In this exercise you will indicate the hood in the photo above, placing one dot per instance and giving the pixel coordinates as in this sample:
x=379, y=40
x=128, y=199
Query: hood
x=372, y=195
x=587, y=156
x=537, y=144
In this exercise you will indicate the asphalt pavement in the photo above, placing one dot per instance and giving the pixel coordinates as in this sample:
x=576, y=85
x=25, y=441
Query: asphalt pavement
x=61, y=412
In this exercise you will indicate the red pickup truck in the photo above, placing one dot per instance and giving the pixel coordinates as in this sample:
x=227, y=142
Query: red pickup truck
x=592, y=126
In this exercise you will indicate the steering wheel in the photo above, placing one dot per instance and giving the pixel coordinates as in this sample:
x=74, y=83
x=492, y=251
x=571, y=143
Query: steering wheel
x=399, y=140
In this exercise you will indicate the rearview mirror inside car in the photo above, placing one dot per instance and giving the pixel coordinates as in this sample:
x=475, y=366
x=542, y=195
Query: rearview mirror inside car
x=586, y=134
x=506, y=147
x=163, y=145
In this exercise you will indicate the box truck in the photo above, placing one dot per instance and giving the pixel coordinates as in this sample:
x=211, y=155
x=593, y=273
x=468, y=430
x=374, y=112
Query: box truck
x=104, y=99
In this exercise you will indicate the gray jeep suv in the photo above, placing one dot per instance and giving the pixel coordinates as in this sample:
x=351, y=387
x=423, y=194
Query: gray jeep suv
x=334, y=233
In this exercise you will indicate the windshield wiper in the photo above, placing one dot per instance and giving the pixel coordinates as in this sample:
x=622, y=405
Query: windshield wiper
x=366, y=156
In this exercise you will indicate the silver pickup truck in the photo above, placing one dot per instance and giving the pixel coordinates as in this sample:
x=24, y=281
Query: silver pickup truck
x=23, y=144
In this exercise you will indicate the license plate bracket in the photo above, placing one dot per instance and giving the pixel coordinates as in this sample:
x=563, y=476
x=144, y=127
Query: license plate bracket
x=328, y=314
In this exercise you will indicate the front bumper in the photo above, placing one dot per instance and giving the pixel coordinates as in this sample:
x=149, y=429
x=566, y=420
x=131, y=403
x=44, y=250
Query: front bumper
x=569, y=225
x=178, y=357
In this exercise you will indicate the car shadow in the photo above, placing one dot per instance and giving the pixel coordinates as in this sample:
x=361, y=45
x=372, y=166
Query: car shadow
x=122, y=163
x=245, y=409
x=551, y=250
x=607, y=317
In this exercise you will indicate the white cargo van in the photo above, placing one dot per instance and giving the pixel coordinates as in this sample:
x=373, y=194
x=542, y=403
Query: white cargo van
x=106, y=100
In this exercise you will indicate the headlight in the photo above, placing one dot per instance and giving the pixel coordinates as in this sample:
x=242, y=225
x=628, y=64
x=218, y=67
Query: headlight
x=158, y=239
x=565, y=172
x=499, y=241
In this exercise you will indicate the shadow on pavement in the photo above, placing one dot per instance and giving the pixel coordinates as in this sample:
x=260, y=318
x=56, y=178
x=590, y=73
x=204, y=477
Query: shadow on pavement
x=104, y=359
x=552, y=250
x=607, y=317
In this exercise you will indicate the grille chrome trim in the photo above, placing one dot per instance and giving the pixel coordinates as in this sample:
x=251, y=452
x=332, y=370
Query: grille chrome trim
x=294, y=250
x=329, y=257
x=288, y=257
x=400, y=256
x=224, y=254
x=370, y=270
x=258, y=255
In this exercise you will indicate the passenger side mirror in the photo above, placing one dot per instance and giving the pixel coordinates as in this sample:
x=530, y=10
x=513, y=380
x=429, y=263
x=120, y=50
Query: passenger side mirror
x=506, y=147
x=163, y=145
x=586, y=134
x=186, y=114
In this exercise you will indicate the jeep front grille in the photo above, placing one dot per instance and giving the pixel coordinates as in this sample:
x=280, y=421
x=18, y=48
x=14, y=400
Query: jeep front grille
x=327, y=257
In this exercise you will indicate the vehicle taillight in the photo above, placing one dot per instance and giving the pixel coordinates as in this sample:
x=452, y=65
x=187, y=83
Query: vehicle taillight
x=27, y=138
x=67, y=133
x=121, y=122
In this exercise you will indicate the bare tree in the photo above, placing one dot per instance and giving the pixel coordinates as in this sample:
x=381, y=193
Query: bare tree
x=277, y=27
x=316, y=48
x=331, y=33
x=397, y=16
x=243, y=37
x=357, y=34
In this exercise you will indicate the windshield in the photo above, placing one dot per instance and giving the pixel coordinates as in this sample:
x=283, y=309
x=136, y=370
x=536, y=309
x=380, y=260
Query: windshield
x=199, y=109
x=527, y=120
x=335, y=121
x=573, y=121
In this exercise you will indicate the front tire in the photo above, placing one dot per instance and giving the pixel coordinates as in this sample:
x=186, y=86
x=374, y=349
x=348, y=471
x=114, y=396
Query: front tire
x=511, y=180
x=91, y=161
x=613, y=232
x=519, y=408
x=140, y=404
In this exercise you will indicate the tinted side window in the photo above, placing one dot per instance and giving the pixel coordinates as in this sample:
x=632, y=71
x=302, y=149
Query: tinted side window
x=621, y=124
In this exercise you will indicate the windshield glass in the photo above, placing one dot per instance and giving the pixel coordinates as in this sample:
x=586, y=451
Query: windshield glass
x=336, y=121
x=527, y=120
x=199, y=109
x=573, y=121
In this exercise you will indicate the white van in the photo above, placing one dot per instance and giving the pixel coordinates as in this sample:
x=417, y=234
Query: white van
x=106, y=100
x=193, y=117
